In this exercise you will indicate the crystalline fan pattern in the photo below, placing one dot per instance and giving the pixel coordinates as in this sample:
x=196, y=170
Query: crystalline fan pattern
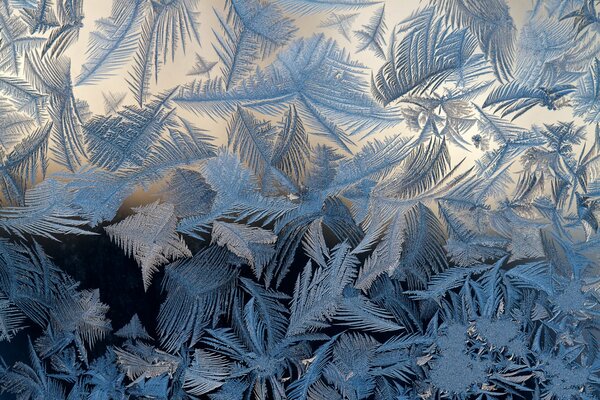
x=299, y=199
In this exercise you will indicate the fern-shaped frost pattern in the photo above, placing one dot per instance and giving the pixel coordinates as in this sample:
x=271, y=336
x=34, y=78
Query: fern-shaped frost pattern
x=327, y=199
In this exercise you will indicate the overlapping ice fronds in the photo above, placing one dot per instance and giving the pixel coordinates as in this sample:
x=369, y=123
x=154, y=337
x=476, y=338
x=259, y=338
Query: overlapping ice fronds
x=303, y=232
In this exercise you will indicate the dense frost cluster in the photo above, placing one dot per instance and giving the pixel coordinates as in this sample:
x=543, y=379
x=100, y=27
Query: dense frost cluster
x=399, y=202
